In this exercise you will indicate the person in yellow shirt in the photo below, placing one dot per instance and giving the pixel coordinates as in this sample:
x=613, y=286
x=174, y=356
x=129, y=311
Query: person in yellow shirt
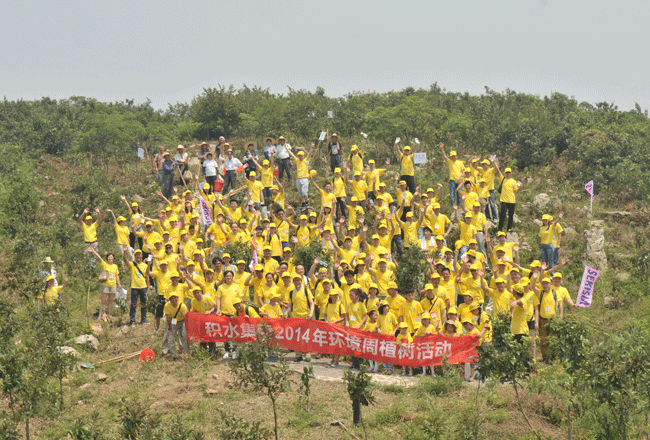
x=383, y=277
x=501, y=298
x=175, y=311
x=89, y=229
x=255, y=189
x=326, y=194
x=410, y=230
x=355, y=159
x=108, y=288
x=373, y=177
x=339, y=184
x=548, y=302
x=407, y=171
x=450, y=329
x=467, y=232
x=468, y=195
x=122, y=233
x=52, y=293
x=488, y=173
x=557, y=238
x=433, y=304
x=427, y=328
x=139, y=286
x=481, y=321
x=227, y=293
x=359, y=187
x=372, y=325
x=162, y=276
x=518, y=307
x=302, y=174
x=405, y=341
x=561, y=292
x=509, y=189
x=455, y=169
x=546, y=241
x=356, y=318
x=273, y=308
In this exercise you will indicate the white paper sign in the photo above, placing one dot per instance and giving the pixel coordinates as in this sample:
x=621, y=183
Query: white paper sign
x=322, y=135
x=330, y=114
x=420, y=158
x=140, y=153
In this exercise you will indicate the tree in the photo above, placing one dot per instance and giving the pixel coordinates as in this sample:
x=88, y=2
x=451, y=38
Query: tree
x=506, y=360
x=252, y=369
x=360, y=392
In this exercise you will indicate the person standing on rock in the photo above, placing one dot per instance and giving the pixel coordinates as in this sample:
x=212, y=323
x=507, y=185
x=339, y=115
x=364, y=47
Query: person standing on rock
x=181, y=159
x=335, y=150
x=282, y=151
x=158, y=160
x=509, y=189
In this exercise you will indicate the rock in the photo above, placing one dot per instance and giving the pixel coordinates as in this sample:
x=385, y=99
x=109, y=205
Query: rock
x=137, y=198
x=525, y=206
x=122, y=331
x=594, y=254
x=529, y=180
x=194, y=161
x=215, y=376
x=211, y=392
x=41, y=204
x=622, y=276
x=84, y=386
x=80, y=403
x=611, y=302
x=555, y=204
x=101, y=377
x=537, y=222
x=69, y=350
x=541, y=200
x=515, y=220
x=619, y=215
x=597, y=224
x=88, y=340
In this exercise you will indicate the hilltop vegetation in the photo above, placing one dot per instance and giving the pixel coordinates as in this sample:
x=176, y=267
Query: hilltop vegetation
x=62, y=156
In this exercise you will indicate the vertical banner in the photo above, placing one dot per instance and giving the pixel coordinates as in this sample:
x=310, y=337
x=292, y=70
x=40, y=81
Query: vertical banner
x=206, y=212
x=586, y=292
x=589, y=187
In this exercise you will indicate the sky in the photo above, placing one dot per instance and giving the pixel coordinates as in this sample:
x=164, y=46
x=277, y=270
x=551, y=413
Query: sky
x=168, y=52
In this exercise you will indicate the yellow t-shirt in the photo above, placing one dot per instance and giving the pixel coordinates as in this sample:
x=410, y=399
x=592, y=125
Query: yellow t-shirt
x=181, y=290
x=489, y=177
x=410, y=312
x=302, y=167
x=339, y=187
x=387, y=323
x=500, y=301
x=508, y=191
x=163, y=281
x=113, y=272
x=557, y=230
x=467, y=232
x=519, y=323
x=403, y=339
x=256, y=188
x=358, y=189
x=172, y=311
x=327, y=197
x=267, y=176
x=406, y=165
x=138, y=280
x=51, y=295
x=547, y=303
x=228, y=294
x=274, y=311
x=356, y=313
x=430, y=330
x=455, y=168
x=334, y=311
x=370, y=175
x=383, y=279
x=90, y=232
x=300, y=303
x=546, y=234
x=202, y=306
x=122, y=233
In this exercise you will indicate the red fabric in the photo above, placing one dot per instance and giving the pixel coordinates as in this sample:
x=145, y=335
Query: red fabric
x=311, y=336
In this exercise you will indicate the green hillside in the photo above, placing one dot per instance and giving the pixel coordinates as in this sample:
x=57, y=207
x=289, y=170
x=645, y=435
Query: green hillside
x=64, y=156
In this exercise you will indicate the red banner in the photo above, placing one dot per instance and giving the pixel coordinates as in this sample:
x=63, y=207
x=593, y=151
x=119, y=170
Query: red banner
x=311, y=336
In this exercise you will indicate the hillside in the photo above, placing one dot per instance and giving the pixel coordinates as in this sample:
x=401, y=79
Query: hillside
x=69, y=163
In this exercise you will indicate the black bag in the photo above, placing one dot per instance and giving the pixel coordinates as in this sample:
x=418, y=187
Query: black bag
x=501, y=186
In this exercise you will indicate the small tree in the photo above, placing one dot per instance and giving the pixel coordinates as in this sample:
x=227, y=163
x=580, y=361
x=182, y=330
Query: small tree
x=252, y=369
x=305, y=255
x=412, y=266
x=360, y=391
x=305, y=386
x=506, y=360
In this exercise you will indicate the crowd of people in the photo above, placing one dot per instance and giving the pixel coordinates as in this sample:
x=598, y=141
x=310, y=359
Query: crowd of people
x=176, y=260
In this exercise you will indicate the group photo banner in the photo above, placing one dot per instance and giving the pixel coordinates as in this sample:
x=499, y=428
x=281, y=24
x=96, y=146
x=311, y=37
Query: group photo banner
x=311, y=336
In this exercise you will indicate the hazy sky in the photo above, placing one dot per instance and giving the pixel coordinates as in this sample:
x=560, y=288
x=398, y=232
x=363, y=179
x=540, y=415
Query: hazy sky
x=168, y=51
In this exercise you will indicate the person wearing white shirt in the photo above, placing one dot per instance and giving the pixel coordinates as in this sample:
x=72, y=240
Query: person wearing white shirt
x=284, y=160
x=231, y=164
x=181, y=158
